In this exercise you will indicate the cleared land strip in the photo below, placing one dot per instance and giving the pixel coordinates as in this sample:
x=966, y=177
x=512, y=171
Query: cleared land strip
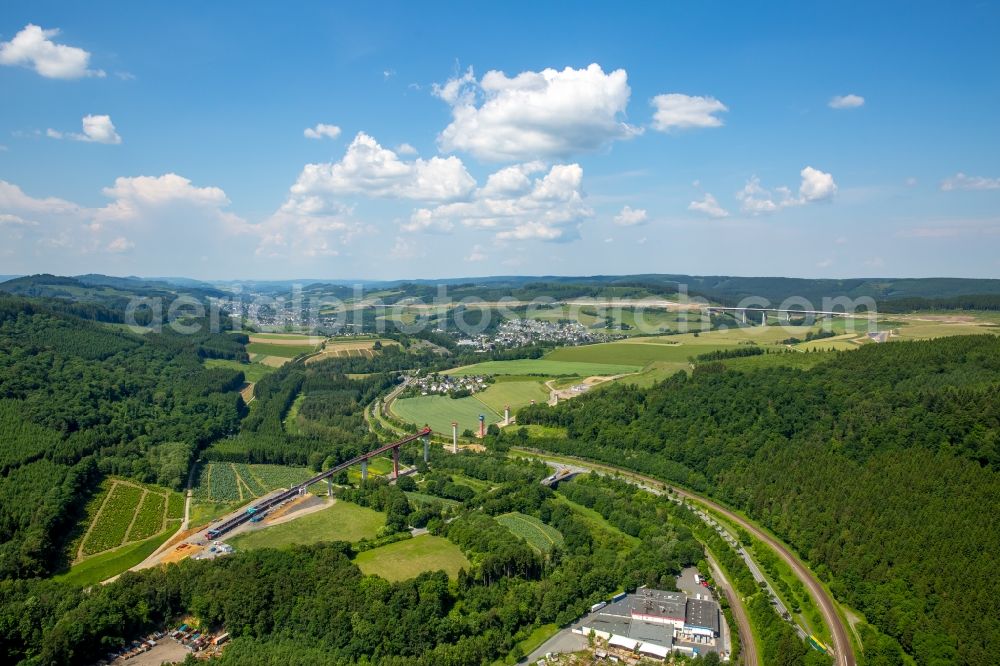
x=843, y=650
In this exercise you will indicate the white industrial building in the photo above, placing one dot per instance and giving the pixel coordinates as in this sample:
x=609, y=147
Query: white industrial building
x=654, y=623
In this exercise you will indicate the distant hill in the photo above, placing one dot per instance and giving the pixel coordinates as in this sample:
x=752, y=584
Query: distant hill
x=726, y=290
x=100, y=297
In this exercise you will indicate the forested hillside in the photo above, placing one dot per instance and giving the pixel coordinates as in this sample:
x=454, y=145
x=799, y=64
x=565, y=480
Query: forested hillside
x=880, y=467
x=80, y=400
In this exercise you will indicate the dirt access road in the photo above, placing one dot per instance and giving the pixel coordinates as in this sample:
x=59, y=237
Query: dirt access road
x=842, y=648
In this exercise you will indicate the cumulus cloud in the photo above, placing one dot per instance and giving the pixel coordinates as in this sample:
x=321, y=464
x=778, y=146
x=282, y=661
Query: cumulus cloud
x=310, y=227
x=120, y=244
x=846, y=102
x=515, y=206
x=816, y=185
x=96, y=129
x=33, y=47
x=13, y=199
x=677, y=111
x=369, y=169
x=709, y=206
x=406, y=149
x=147, y=198
x=962, y=182
x=477, y=254
x=547, y=114
x=320, y=131
x=315, y=221
x=629, y=217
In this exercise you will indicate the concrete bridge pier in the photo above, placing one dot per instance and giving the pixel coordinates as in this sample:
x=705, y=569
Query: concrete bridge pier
x=395, y=462
x=744, y=315
x=427, y=449
x=454, y=436
x=364, y=470
x=329, y=486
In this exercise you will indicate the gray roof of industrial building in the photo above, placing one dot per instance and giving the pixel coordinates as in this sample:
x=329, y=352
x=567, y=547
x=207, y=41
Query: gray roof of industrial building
x=650, y=632
x=658, y=602
x=702, y=613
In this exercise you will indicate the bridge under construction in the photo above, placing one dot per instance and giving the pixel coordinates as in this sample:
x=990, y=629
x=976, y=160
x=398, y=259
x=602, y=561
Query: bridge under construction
x=257, y=511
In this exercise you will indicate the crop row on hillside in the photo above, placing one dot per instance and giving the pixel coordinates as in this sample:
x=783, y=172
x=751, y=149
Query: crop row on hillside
x=114, y=519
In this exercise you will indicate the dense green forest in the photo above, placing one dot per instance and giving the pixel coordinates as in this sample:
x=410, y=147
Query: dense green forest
x=724, y=289
x=80, y=400
x=880, y=467
x=291, y=606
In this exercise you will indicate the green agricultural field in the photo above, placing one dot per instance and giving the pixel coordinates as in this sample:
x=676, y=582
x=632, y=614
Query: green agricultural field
x=923, y=327
x=253, y=372
x=515, y=394
x=439, y=411
x=150, y=519
x=283, y=351
x=837, y=343
x=122, y=515
x=423, y=498
x=111, y=563
x=113, y=519
x=545, y=367
x=635, y=354
x=289, y=337
x=380, y=466
x=540, y=431
x=409, y=558
x=341, y=521
x=240, y=482
x=539, y=536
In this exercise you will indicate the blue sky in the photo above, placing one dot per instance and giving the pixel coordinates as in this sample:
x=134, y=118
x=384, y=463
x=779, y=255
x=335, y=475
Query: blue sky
x=574, y=138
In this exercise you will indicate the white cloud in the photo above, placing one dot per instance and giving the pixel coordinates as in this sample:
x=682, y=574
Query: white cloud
x=535, y=115
x=962, y=182
x=816, y=185
x=678, y=111
x=33, y=47
x=709, y=206
x=321, y=130
x=629, y=217
x=120, y=244
x=96, y=129
x=846, y=102
x=476, y=255
x=515, y=207
x=310, y=227
x=314, y=221
x=135, y=198
x=406, y=149
x=14, y=200
x=369, y=169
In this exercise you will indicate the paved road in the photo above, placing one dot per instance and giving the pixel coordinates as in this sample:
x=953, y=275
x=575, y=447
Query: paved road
x=843, y=651
x=565, y=642
x=748, y=649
